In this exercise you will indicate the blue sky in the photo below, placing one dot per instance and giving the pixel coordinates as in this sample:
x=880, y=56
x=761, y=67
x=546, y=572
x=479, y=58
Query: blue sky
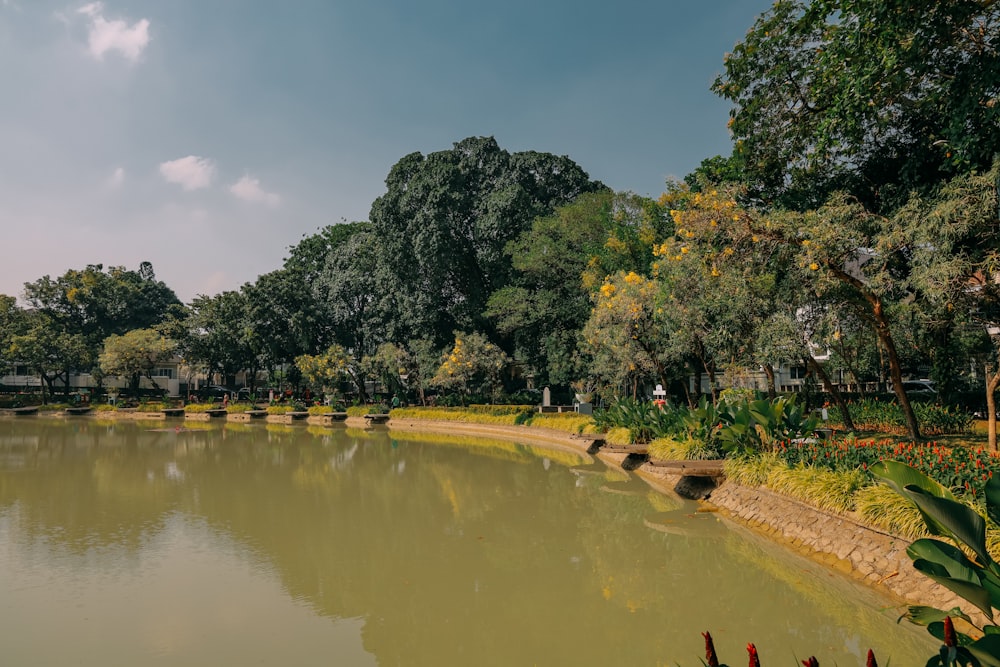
x=207, y=136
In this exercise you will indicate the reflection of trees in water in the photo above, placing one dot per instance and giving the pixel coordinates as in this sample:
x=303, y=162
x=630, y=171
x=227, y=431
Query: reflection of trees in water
x=83, y=485
x=435, y=547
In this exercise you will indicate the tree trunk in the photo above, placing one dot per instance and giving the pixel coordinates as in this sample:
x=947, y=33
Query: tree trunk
x=838, y=398
x=896, y=373
x=992, y=381
x=772, y=390
x=888, y=344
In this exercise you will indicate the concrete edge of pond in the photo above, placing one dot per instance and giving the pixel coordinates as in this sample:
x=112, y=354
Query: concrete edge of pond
x=872, y=557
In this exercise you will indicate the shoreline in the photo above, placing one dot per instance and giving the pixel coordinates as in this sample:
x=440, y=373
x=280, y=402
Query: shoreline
x=863, y=554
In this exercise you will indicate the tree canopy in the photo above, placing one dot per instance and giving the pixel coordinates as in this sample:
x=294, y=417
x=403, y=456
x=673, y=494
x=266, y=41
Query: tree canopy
x=874, y=97
x=444, y=222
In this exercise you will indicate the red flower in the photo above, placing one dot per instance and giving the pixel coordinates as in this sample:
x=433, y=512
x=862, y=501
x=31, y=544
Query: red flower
x=871, y=659
x=713, y=660
x=949, y=632
x=811, y=662
x=754, y=660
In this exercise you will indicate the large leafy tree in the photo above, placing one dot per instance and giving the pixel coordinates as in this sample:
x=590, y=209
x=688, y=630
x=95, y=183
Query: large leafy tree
x=346, y=292
x=221, y=338
x=559, y=263
x=623, y=339
x=49, y=350
x=96, y=303
x=877, y=98
x=444, y=222
x=11, y=321
x=954, y=235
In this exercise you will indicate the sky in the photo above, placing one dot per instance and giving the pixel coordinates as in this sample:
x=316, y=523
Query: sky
x=209, y=136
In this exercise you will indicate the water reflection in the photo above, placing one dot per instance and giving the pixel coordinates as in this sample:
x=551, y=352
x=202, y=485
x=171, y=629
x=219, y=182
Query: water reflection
x=244, y=542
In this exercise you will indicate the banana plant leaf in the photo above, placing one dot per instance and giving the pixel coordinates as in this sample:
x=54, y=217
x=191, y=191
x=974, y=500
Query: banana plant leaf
x=986, y=649
x=993, y=499
x=924, y=615
x=899, y=475
x=973, y=592
x=951, y=518
x=953, y=559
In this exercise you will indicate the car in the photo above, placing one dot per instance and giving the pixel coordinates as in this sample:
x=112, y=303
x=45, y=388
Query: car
x=214, y=391
x=919, y=387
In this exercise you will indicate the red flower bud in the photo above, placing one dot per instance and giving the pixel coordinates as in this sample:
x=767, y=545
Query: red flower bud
x=754, y=660
x=949, y=633
x=713, y=660
x=811, y=662
x=871, y=659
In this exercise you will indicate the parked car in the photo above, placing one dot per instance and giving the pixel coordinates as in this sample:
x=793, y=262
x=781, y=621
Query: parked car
x=216, y=391
x=919, y=387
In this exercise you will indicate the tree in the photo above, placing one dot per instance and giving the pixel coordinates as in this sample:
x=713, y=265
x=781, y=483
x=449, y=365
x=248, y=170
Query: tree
x=953, y=235
x=11, y=320
x=96, y=303
x=559, y=263
x=135, y=354
x=473, y=366
x=443, y=224
x=330, y=368
x=623, y=337
x=346, y=292
x=846, y=257
x=49, y=350
x=875, y=98
x=221, y=338
x=390, y=365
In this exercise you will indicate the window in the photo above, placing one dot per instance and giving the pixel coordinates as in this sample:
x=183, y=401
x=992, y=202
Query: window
x=798, y=372
x=163, y=373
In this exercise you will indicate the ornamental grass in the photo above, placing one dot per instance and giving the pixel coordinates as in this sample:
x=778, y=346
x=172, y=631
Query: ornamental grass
x=826, y=489
x=568, y=422
x=879, y=506
x=677, y=449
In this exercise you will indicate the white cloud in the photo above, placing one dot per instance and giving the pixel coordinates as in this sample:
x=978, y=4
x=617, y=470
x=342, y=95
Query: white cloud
x=116, y=179
x=248, y=189
x=114, y=35
x=191, y=172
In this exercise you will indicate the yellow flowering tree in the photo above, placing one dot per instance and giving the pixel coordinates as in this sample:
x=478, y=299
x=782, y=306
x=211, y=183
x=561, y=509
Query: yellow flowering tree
x=474, y=365
x=623, y=338
x=834, y=258
x=330, y=368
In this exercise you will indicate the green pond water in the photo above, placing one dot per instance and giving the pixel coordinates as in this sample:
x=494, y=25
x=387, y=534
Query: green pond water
x=166, y=544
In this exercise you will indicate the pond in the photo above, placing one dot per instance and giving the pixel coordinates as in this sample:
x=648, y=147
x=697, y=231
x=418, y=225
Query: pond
x=235, y=544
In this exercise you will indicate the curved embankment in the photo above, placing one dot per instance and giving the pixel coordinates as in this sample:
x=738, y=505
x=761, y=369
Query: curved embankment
x=873, y=557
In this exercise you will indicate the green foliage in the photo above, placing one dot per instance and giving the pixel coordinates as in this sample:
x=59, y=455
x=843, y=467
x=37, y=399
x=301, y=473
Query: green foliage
x=881, y=507
x=887, y=417
x=826, y=489
x=964, y=470
x=863, y=95
x=328, y=369
x=688, y=449
x=731, y=425
x=135, y=354
x=474, y=365
x=444, y=222
x=977, y=581
x=643, y=420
